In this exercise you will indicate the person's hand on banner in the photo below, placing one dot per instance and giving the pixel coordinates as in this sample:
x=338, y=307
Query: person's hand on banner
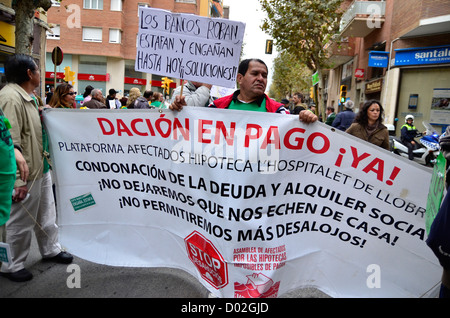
x=307, y=116
x=178, y=103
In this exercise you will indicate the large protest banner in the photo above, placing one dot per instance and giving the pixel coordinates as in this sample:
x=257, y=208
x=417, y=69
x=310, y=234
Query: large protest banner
x=188, y=46
x=253, y=204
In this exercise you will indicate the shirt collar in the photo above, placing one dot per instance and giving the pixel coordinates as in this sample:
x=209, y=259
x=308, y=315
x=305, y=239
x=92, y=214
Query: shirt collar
x=257, y=101
x=22, y=92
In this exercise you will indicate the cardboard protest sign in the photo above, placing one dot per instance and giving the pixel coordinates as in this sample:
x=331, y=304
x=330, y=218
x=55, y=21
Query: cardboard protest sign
x=189, y=47
x=253, y=204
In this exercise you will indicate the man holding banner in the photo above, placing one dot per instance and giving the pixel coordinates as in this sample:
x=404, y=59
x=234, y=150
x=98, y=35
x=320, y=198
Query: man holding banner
x=252, y=79
x=33, y=205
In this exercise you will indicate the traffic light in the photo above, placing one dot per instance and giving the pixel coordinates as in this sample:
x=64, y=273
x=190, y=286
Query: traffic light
x=311, y=92
x=69, y=76
x=343, y=93
x=269, y=46
x=165, y=84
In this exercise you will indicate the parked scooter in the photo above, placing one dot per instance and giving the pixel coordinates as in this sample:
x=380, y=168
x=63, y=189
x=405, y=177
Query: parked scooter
x=427, y=148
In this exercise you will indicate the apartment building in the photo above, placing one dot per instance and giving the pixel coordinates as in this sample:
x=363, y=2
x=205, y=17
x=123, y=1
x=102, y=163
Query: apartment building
x=98, y=41
x=398, y=52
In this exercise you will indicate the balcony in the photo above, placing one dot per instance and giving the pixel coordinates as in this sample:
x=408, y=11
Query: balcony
x=362, y=17
x=340, y=53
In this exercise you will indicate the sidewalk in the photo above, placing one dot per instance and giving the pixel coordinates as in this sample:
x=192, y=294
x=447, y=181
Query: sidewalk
x=50, y=281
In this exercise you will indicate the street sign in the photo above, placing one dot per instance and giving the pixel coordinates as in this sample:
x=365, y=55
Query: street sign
x=315, y=78
x=378, y=59
x=57, y=56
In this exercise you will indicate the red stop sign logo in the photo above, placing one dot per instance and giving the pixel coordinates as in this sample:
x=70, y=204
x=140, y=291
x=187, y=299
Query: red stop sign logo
x=207, y=259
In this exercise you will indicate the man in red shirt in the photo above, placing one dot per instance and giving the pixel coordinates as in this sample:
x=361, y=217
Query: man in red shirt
x=252, y=79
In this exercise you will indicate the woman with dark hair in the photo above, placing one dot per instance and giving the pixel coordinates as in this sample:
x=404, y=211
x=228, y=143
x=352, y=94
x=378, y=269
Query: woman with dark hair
x=87, y=93
x=368, y=125
x=64, y=96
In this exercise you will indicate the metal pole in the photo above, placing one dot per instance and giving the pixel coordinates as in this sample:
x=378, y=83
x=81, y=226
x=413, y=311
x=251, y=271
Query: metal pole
x=54, y=59
x=388, y=71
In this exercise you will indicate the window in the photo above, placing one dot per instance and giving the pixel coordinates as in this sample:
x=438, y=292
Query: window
x=116, y=5
x=187, y=1
x=115, y=36
x=93, y=4
x=56, y=35
x=92, y=34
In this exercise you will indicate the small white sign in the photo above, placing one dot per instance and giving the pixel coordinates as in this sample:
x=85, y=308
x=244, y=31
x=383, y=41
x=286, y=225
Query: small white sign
x=5, y=253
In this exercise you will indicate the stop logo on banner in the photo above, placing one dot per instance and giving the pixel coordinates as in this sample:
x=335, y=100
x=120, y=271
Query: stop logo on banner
x=207, y=259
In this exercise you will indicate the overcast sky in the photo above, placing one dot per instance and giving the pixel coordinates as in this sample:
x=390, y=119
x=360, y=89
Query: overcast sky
x=251, y=13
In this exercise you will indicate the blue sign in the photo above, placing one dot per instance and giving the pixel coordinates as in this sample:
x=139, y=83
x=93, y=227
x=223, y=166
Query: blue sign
x=378, y=59
x=422, y=55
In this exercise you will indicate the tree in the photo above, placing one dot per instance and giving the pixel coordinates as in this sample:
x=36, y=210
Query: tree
x=24, y=10
x=303, y=28
x=290, y=76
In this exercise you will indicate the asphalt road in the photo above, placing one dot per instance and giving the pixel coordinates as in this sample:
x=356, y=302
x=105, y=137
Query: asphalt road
x=99, y=281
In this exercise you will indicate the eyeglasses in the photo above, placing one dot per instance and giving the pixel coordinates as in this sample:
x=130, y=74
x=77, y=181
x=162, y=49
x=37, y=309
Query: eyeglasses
x=72, y=93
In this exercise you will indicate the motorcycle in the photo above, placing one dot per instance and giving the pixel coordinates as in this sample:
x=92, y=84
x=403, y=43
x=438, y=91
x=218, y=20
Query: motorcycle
x=427, y=148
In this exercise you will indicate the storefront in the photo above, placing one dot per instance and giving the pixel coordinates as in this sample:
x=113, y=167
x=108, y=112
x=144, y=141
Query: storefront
x=373, y=89
x=130, y=82
x=92, y=71
x=424, y=88
x=7, y=45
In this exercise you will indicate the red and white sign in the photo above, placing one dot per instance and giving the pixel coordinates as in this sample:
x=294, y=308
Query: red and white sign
x=135, y=81
x=59, y=75
x=207, y=259
x=92, y=77
x=359, y=73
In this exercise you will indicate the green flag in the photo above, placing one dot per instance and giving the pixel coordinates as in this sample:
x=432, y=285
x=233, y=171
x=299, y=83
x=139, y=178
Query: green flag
x=436, y=191
x=315, y=78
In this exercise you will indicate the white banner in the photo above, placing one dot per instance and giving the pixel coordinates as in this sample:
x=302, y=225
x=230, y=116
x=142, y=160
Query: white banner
x=189, y=47
x=253, y=204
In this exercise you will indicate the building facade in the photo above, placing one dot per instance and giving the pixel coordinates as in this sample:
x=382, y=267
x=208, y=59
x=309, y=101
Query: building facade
x=397, y=52
x=98, y=40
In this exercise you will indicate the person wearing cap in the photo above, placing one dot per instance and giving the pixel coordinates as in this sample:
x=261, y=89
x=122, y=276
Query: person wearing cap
x=345, y=118
x=112, y=97
x=407, y=134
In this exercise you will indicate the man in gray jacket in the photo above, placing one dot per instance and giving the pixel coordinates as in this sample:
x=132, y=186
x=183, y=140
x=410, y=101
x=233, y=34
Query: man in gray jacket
x=194, y=94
